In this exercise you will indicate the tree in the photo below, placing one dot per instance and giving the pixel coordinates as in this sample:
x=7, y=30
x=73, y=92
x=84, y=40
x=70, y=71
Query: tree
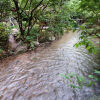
x=31, y=14
x=27, y=11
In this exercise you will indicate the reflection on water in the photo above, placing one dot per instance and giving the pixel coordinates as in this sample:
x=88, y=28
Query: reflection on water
x=36, y=76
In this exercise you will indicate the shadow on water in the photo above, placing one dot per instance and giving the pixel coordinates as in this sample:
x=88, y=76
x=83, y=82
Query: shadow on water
x=35, y=76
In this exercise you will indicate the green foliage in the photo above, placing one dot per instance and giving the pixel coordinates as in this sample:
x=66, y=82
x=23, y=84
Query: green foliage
x=81, y=81
x=87, y=43
x=31, y=15
x=1, y=51
x=91, y=12
x=58, y=15
x=4, y=9
x=32, y=37
x=37, y=12
x=97, y=72
x=3, y=36
x=85, y=40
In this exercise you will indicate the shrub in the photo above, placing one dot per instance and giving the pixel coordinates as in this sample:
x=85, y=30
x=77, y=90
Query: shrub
x=3, y=36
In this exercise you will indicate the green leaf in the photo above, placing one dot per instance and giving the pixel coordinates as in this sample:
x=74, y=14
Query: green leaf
x=62, y=75
x=91, y=76
x=97, y=72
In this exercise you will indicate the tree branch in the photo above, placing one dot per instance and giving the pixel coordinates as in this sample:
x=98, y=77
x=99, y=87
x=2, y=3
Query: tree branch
x=25, y=6
x=19, y=17
x=30, y=18
x=45, y=6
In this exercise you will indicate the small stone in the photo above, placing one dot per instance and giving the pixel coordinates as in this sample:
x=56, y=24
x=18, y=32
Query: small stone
x=36, y=43
x=52, y=38
x=14, y=31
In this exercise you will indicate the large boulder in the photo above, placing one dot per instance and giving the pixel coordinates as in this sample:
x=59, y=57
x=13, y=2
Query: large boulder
x=20, y=49
x=12, y=42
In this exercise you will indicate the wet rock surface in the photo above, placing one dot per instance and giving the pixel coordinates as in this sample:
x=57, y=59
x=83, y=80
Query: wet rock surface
x=35, y=76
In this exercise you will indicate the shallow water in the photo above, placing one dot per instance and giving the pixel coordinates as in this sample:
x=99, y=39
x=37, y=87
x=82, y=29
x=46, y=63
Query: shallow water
x=35, y=76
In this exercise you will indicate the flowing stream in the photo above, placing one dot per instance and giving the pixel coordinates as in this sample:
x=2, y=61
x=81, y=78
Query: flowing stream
x=35, y=76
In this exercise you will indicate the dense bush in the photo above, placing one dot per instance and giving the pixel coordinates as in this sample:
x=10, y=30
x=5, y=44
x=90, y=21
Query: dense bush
x=5, y=9
x=3, y=36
